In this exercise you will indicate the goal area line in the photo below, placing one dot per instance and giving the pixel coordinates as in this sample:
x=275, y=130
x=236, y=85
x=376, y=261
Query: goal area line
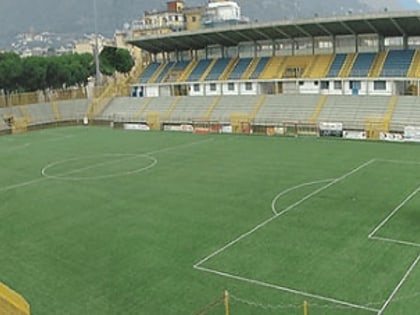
x=339, y=302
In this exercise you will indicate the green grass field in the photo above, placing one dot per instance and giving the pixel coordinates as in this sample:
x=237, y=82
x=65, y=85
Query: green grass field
x=102, y=221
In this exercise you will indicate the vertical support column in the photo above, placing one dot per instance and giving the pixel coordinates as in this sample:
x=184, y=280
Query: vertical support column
x=255, y=49
x=222, y=50
x=293, y=46
x=334, y=44
x=381, y=43
x=356, y=43
x=313, y=46
x=405, y=42
x=273, y=51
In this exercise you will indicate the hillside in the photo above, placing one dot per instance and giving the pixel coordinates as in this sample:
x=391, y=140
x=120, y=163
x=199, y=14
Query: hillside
x=76, y=16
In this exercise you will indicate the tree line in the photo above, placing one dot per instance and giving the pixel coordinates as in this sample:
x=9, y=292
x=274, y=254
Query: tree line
x=35, y=73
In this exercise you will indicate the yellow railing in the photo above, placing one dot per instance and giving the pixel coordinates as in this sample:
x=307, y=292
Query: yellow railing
x=378, y=64
x=143, y=108
x=158, y=71
x=207, y=71
x=390, y=111
x=318, y=109
x=251, y=68
x=187, y=72
x=171, y=109
x=229, y=69
x=260, y=103
x=414, y=71
x=212, y=107
x=348, y=65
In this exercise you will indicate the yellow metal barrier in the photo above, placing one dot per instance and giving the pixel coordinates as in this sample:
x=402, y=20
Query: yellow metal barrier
x=251, y=68
x=348, y=65
x=378, y=64
x=318, y=109
x=153, y=121
x=212, y=107
x=12, y=303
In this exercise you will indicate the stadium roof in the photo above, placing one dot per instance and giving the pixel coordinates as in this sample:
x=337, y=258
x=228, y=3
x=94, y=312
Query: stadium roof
x=385, y=24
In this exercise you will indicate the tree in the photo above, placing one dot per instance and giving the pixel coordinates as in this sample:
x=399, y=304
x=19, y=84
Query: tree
x=10, y=71
x=34, y=74
x=115, y=59
x=124, y=60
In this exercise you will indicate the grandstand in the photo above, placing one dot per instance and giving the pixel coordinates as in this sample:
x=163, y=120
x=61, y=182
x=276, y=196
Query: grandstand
x=347, y=74
x=311, y=73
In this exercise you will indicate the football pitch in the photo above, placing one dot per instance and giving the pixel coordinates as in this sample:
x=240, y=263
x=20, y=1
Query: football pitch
x=101, y=221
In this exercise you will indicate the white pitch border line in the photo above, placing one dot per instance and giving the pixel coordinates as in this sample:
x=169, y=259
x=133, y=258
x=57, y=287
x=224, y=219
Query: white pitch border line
x=400, y=284
x=289, y=290
x=284, y=211
x=389, y=217
x=273, y=203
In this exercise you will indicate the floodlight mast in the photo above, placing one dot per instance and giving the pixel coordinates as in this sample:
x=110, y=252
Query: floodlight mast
x=97, y=68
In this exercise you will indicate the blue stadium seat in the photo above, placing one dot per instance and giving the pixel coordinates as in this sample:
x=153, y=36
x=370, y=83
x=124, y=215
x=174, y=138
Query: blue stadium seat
x=218, y=68
x=260, y=67
x=397, y=63
x=199, y=70
x=362, y=64
x=165, y=71
x=240, y=68
x=148, y=73
x=336, y=65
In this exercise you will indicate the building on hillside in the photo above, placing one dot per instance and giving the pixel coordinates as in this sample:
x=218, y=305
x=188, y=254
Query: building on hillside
x=193, y=18
x=178, y=17
x=161, y=22
x=222, y=13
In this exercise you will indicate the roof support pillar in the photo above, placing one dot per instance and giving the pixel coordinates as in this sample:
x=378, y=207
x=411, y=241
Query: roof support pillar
x=222, y=51
x=293, y=46
x=381, y=43
x=206, y=52
x=255, y=49
x=313, y=45
x=405, y=42
x=334, y=44
x=273, y=47
x=356, y=43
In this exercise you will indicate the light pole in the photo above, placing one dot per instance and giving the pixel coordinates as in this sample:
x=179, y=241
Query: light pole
x=97, y=71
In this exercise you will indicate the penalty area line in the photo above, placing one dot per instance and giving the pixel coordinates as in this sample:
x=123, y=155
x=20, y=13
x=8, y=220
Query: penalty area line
x=284, y=211
x=288, y=290
x=400, y=284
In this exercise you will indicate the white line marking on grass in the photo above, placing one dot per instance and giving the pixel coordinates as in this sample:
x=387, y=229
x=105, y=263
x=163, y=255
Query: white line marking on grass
x=400, y=284
x=289, y=290
x=64, y=176
x=402, y=204
x=284, y=211
x=284, y=192
x=37, y=180
x=23, y=184
x=390, y=240
x=129, y=156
